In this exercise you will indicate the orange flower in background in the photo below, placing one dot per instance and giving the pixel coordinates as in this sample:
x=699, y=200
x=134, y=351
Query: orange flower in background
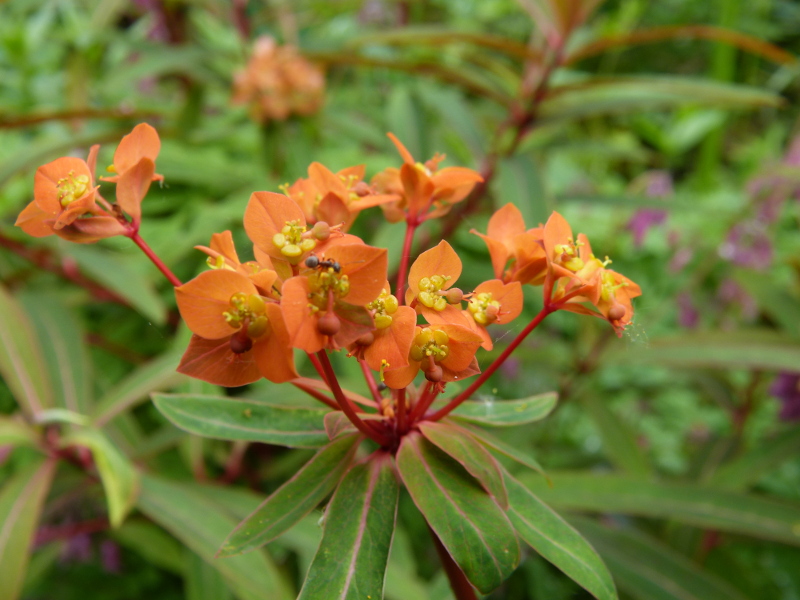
x=444, y=352
x=517, y=254
x=65, y=203
x=240, y=335
x=425, y=191
x=430, y=283
x=277, y=82
x=325, y=307
x=334, y=197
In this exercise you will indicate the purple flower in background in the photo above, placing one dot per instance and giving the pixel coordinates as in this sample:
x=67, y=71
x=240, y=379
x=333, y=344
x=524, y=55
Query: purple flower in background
x=688, y=316
x=110, y=557
x=786, y=388
x=78, y=548
x=657, y=184
x=748, y=245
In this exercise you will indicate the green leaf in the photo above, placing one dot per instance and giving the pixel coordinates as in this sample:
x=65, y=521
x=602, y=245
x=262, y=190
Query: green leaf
x=403, y=118
x=119, y=273
x=21, y=500
x=61, y=415
x=692, y=504
x=647, y=569
x=611, y=95
x=504, y=448
x=475, y=531
x=555, y=539
x=750, y=467
x=228, y=418
x=469, y=453
x=151, y=542
x=158, y=374
x=120, y=479
x=294, y=499
x=519, y=181
x=755, y=349
x=200, y=525
x=21, y=359
x=66, y=357
x=505, y=413
x=359, y=524
x=202, y=583
x=16, y=432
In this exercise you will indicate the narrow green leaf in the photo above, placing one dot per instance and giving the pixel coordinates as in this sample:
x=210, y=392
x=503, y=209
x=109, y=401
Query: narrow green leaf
x=16, y=432
x=66, y=356
x=337, y=423
x=475, y=531
x=555, y=539
x=520, y=182
x=120, y=478
x=202, y=583
x=294, y=499
x=403, y=118
x=755, y=349
x=226, y=418
x=750, y=467
x=359, y=523
x=469, y=453
x=619, y=439
x=200, y=525
x=152, y=543
x=158, y=374
x=21, y=359
x=692, y=504
x=61, y=415
x=21, y=500
x=504, y=448
x=505, y=413
x=120, y=273
x=647, y=569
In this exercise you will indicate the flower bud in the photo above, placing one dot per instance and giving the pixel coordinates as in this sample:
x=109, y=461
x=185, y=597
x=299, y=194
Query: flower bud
x=329, y=324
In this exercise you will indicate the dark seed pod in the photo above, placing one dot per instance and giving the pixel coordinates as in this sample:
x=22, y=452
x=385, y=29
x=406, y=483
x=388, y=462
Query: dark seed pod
x=329, y=324
x=241, y=342
x=366, y=339
x=434, y=375
x=616, y=312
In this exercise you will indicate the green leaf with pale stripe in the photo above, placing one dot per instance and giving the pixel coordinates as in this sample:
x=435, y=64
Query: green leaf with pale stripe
x=506, y=413
x=475, y=531
x=503, y=447
x=16, y=432
x=359, y=523
x=202, y=583
x=227, y=418
x=294, y=499
x=470, y=454
x=201, y=525
x=647, y=569
x=704, y=507
x=120, y=479
x=21, y=358
x=21, y=500
x=557, y=541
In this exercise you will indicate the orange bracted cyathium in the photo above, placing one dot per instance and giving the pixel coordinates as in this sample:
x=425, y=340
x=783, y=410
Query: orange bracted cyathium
x=315, y=288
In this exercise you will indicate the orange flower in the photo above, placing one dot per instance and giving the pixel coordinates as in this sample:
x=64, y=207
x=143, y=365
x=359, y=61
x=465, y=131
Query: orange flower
x=222, y=255
x=278, y=82
x=508, y=240
x=64, y=203
x=325, y=306
x=239, y=335
x=334, y=197
x=444, y=352
x=430, y=280
x=426, y=191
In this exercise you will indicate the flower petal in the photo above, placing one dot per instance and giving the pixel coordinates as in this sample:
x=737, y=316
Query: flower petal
x=214, y=361
x=203, y=300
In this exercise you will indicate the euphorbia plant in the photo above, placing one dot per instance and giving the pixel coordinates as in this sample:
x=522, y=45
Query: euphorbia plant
x=315, y=288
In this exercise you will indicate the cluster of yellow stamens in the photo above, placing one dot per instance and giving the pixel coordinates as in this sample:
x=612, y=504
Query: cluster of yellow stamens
x=432, y=296
x=430, y=343
x=483, y=308
x=247, y=310
x=567, y=256
x=70, y=188
x=293, y=242
x=384, y=306
x=322, y=283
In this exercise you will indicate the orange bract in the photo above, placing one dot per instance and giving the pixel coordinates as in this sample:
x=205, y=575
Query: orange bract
x=142, y=143
x=432, y=274
x=426, y=192
x=222, y=255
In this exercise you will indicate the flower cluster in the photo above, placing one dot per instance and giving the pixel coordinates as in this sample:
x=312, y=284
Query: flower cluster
x=278, y=82
x=315, y=287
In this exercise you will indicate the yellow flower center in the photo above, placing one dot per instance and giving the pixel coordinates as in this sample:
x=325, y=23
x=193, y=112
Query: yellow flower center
x=567, y=256
x=430, y=292
x=292, y=242
x=384, y=306
x=247, y=310
x=608, y=285
x=72, y=187
x=430, y=342
x=483, y=308
x=324, y=281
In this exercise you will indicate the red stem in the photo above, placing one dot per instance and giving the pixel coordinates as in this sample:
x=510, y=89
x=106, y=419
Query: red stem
x=422, y=404
x=315, y=361
x=401, y=410
x=373, y=387
x=346, y=404
x=316, y=394
x=402, y=271
x=495, y=365
x=137, y=239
